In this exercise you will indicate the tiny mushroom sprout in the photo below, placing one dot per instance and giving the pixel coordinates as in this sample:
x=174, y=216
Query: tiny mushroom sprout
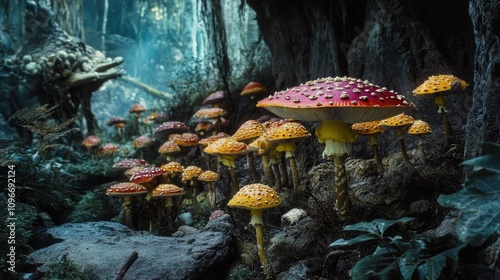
x=163, y=131
x=257, y=197
x=227, y=150
x=252, y=89
x=127, y=191
x=372, y=130
x=169, y=149
x=249, y=131
x=438, y=87
x=420, y=128
x=215, y=99
x=137, y=109
x=167, y=191
x=337, y=103
x=210, y=178
x=285, y=136
x=399, y=123
x=191, y=174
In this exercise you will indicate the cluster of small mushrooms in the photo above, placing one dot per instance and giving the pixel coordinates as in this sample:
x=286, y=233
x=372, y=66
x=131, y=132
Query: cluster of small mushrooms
x=345, y=107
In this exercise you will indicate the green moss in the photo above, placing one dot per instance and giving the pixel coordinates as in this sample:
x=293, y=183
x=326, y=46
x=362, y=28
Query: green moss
x=242, y=273
x=65, y=268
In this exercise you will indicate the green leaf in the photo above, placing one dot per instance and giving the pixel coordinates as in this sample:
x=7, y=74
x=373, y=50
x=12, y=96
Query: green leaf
x=383, y=225
x=490, y=148
x=377, y=226
x=488, y=162
x=375, y=267
x=478, y=206
x=356, y=240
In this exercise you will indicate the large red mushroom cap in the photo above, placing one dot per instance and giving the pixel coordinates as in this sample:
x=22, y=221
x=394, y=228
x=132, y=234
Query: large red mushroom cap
x=126, y=189
x=343, y=99
x=146, y=174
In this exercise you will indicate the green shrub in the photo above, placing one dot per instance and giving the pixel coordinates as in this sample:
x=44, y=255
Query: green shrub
x=64, y=269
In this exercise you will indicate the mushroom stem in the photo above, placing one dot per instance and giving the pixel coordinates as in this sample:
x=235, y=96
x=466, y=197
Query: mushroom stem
x=422, y=148
x=400, y=135
x=441, y=102
x=276, y=173
x=341, y=186
x=380, y=166
x=266, y=167
x=284, y=170
x=259, y=234
x=251, y=166
x=127, y=206
x=234, y=179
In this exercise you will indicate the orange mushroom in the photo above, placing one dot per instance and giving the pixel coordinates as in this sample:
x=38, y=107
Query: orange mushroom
x=210, y=178
x=169, y=149
x=256, y=198
x=253, y=89
x=127, y=191
x=420, y=128
x=168, y=192
x=372, y=130
x=191, y=174
x=439, y=87
x=399, y=123
x=246, y=133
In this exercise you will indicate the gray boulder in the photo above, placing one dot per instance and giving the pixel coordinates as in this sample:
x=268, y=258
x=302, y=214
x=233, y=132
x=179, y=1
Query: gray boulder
x=100, y=247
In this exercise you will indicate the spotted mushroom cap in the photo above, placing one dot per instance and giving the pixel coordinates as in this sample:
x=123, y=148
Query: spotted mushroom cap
x=191, y=172
x=126, y=189
x=109, y=149
x=186, y=139
x=208, y=176
x=204, y=126
x=206, y=141
x=209, y=113
x=146, y=174
x=399, y=121
x=165, y=129
x=214, y=98
x=173, y=167
x=419, y=127
x=343, y=99
x=137, y=108
x=255, y=196
x=129, y=163
x=91, y=141
x=250, y=129
x=367, y=128
x=141, y=141
x=226, y=147
x=164, y=190
x=442, y=84
x=288, y=132
x=169, y=147
x=131, y=171
x=253, y=88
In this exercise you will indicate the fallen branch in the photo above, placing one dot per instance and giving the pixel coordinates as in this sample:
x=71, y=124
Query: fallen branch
x=147, y=88
x=125, y=265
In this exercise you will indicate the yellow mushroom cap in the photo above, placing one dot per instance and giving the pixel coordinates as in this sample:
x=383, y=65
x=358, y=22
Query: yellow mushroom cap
x=367, y=128
x=226, y=147
x=399, y=121
x=208, y=176
x=191, y=172
x=250, y=129
x=164, y=190
x=169, y=147
x=255, y=196
x=287, y=132
x=185, y=139
x=419, y=127
x=440, y=84
x=173, y=167
x=126, y=189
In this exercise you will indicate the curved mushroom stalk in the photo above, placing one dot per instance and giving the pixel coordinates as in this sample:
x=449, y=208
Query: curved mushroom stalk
x=441, y=102
x=400, y=136
x=374, y=145
x=127, y=206
x=251, y=166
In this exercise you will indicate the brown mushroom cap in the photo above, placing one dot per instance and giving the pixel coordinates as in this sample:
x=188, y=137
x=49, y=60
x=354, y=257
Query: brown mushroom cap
x=253, y=88
x=208, y=176
x=343, y=99
x=141, y=141
x=209, y=113
x=214, y=98
x=442, y=84
x=126, y=189
x=204, y=126
x=226, y=147
x=137, y=108
x=255, y=196
x=186, y=139
x=287, y=132
x=250, y=129
x=91, y=141
x=165, y=190
x=169, y=147
x=114, y=121
x=399, y=121
x=191, y=172
x=109, y=149
x=165, y=129
x=367, y=128
x=419, y=127
x=173, y=167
